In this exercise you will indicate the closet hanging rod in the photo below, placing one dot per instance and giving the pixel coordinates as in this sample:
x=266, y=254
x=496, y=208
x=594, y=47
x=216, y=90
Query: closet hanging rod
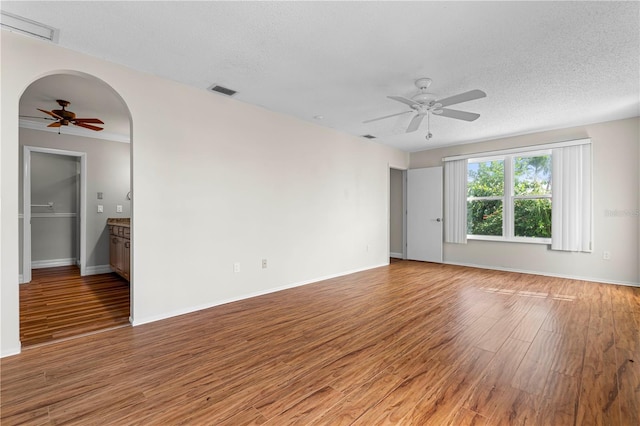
x=50, y=205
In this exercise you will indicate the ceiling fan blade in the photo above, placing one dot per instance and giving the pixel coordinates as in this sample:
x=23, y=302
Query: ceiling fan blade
x=415, y=123
x=406, y=101
x=88, y=126
x=89, y=120
x=53, y=114
x=33, y=116
x=462, y=97
x=386, y=116
x=56, y=124
x=454, y=113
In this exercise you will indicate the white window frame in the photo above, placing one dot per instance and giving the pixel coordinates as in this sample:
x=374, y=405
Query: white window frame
x=508, y=198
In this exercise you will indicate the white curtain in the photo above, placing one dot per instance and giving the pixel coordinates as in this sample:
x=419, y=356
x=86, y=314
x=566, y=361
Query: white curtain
x=571, y=227
x=455, y=201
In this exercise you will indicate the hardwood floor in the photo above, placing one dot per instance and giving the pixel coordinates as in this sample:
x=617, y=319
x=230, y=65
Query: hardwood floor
x=412, y=343
x=58, y=303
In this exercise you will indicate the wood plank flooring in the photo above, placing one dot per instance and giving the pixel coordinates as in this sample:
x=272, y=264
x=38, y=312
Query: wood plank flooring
x=411, y=343
x=58, y=303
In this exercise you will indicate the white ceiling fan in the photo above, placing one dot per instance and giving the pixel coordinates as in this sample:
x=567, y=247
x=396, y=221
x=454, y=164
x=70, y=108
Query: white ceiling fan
x=425, y=103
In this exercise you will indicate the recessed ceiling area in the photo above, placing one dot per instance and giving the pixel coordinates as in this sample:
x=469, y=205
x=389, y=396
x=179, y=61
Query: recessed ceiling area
x=543, y=65
x=89, y=98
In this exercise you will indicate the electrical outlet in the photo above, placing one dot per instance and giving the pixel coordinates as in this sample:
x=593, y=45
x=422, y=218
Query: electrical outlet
x=236, y=267
x=264, y=263
x=99, y=195
x=100, y=208
x=118, y=208
x=606, y=255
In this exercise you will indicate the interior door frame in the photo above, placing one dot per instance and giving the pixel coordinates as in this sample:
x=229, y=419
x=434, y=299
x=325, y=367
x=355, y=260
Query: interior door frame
x=26, y=199
x=404, y=210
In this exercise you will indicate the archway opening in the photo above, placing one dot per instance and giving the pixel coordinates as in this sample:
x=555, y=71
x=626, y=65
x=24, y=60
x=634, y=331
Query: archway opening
x=65, y=236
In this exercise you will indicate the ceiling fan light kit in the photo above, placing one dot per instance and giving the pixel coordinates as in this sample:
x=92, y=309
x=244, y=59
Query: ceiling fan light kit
x=425, y=103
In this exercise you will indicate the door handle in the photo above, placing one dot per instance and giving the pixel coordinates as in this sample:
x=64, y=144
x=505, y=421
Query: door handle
x=438, y=219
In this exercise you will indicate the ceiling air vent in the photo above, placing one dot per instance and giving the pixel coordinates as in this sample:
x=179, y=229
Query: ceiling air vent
x=28, y=27
x=222, y=90
x=368, y=136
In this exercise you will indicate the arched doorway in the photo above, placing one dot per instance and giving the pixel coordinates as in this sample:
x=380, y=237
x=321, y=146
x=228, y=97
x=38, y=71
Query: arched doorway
x=66, y=245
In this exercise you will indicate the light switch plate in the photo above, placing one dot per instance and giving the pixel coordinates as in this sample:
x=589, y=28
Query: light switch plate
x=99, y=195
x=100, y=208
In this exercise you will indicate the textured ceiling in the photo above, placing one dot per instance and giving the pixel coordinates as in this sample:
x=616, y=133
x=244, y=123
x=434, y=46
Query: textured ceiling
x=543, y=65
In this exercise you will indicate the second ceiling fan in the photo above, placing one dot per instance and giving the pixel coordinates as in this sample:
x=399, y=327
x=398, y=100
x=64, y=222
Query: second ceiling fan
x=425, y=103
x=65, y=117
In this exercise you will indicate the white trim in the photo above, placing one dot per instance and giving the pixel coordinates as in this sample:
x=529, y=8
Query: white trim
x=520, y=150
x=52, y=263
x=547, y=274
x=27, y=215
x=75, y=131
x=52, y=215
x=11, y=351
x=98, y=269
x=89, y=270
x=501, y=239
x=404, y=213
x=189, y=310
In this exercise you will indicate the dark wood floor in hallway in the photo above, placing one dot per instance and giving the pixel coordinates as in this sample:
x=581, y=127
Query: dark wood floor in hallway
x=58, y=303
x=410, y=343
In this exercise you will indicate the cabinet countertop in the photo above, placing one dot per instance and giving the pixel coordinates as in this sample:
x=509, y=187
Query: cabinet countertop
x=119, y=221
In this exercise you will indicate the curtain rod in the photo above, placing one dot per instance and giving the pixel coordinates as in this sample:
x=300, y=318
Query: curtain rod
x=575, y=142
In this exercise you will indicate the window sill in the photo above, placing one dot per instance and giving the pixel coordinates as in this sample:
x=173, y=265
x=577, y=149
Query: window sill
x=524, y=240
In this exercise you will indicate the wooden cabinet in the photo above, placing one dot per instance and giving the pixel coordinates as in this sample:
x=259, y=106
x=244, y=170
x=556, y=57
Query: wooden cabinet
x=120, y=250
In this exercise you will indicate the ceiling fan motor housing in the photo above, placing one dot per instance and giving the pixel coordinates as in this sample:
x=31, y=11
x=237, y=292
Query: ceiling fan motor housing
x=67, y=115
x=425, y=98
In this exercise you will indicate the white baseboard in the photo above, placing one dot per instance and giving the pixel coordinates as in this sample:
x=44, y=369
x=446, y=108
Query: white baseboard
x=10, y=352
x=52, y=263
x=547, y=274
x=153, y=318
x=396, y=255
x=89, y=270
x=98, y=269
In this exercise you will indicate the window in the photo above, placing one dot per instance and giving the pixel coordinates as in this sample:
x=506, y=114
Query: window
x=509, y=197
x=540, y=194
x=485, y=197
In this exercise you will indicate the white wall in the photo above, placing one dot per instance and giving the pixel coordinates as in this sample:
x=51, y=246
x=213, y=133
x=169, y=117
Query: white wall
x=615, y=150
x=215, y=181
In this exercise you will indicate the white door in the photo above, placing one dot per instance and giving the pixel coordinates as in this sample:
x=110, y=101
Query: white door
x=424, y=214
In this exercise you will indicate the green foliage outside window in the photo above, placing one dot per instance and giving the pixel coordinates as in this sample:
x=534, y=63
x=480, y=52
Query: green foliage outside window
x=532, y=176
x=486, y=179
x=532, y=216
